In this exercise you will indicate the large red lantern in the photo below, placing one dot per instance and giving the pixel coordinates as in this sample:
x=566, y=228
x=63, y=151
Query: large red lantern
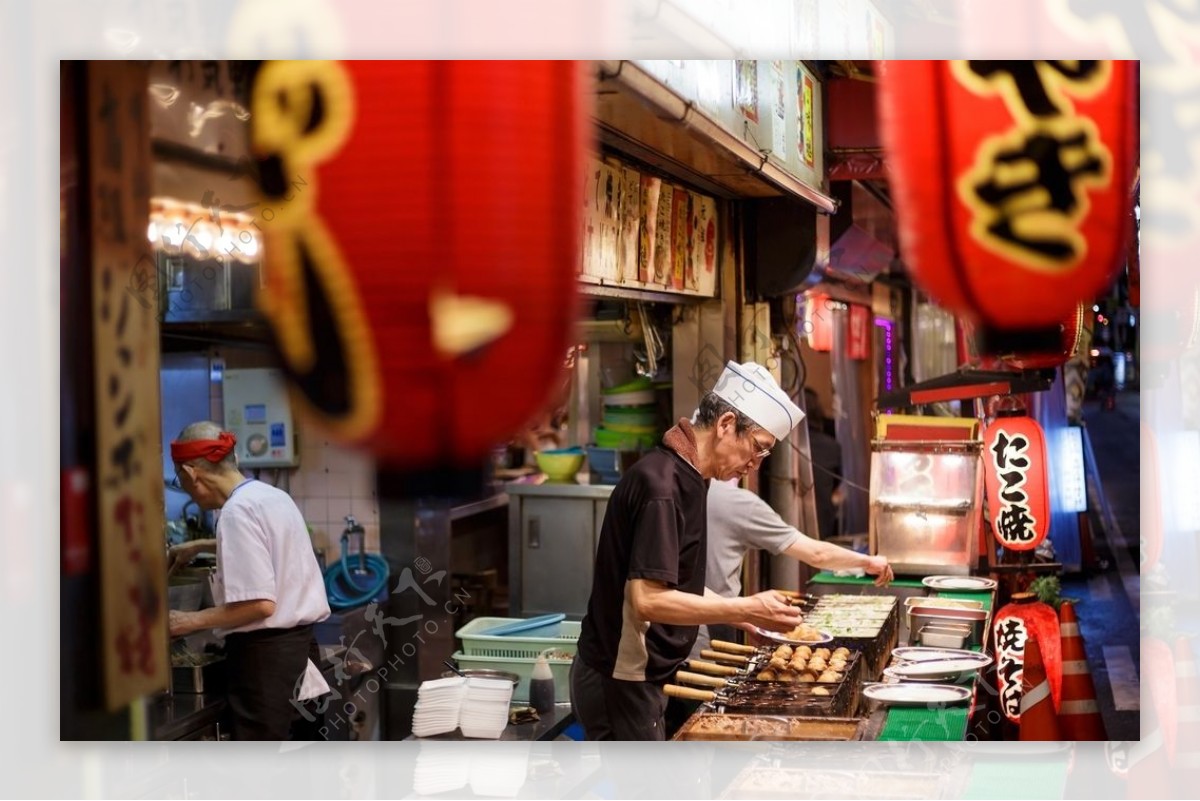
x=422, y=244
x=1013, y=625
x=1054, y=351
x=1013, y=181
x=1014, y=469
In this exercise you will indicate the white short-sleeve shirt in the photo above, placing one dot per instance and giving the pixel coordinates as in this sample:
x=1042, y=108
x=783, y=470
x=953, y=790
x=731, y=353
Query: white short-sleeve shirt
x=264, y=553
x=738, y=520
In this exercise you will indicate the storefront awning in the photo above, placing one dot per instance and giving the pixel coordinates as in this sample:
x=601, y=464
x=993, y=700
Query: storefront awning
x=966, y=384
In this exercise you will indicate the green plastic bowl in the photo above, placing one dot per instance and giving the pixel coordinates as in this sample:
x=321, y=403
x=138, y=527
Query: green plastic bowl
x=560, y=465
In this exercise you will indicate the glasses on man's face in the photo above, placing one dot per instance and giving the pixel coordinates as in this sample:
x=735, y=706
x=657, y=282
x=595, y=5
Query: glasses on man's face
x=760, y=451
x=175, y=482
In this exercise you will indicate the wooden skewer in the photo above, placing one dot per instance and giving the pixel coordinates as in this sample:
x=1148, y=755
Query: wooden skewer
x=732, y=647
x=711, y=668
x=683, y=677
x=688, y=692
x=717, y=656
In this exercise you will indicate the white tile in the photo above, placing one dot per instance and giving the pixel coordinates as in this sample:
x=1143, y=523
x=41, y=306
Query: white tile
x=1122, y=677
x=339, y=486
x=316, y=509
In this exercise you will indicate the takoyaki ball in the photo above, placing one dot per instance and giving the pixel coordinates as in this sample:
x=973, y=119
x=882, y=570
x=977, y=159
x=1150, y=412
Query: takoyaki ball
x=778, y=664
x=829, y=675
x=785, y=651
x=837, y=664
x=817, y=664
x=824, y=653
x=806, y=676
x=843, y=650
x=820, y=691
x=804, y=651
x=766, y=675
x=788, y=677
x=798, y=665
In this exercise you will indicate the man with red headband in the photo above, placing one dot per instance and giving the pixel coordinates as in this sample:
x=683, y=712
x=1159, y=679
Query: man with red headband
x=268, y=589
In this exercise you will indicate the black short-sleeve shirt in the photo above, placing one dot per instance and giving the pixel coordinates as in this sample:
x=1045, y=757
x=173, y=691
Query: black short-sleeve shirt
x=655, y=528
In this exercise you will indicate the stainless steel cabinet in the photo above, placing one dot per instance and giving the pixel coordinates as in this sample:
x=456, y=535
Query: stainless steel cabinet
x=552, y=534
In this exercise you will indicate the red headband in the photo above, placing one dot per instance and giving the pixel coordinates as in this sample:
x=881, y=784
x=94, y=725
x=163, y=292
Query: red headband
x=214, y=450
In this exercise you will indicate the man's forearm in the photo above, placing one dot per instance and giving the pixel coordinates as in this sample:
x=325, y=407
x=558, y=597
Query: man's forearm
x=828, y=556
x=226, y=616
x=674, y=607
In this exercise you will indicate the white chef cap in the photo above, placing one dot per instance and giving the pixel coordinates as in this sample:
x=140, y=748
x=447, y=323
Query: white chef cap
x=751, y=390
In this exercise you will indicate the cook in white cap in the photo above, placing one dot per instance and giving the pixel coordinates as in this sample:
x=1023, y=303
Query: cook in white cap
x=648, y=595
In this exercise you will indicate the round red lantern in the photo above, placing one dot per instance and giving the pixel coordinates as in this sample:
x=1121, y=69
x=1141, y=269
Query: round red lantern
x=1055, y=350
x=1012, y=180
x=1015, y=623
x=422, y=243
x=1018, y=489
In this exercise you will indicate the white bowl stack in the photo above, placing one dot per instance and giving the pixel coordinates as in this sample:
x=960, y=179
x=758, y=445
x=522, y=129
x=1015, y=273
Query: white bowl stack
x=477, y=706
x=485, y=708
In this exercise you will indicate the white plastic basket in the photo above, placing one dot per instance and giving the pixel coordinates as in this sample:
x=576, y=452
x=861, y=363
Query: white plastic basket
x=562, y=636
x=559, y=668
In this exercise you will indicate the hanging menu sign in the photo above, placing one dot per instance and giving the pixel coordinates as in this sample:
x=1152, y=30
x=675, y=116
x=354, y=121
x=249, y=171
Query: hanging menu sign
x=129, y=495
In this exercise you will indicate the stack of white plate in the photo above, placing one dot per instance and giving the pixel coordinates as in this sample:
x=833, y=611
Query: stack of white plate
x=438, y=708
x=485, y=708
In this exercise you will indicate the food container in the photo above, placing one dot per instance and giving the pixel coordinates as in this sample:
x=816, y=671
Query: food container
x=974, y=619
x=936, y=603
x=934, y=636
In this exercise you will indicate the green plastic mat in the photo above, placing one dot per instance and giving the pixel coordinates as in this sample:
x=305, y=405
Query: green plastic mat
x=904, y=725
x=866, y=581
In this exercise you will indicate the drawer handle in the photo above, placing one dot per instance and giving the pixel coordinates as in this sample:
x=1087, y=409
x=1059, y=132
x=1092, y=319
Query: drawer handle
x=535, y=532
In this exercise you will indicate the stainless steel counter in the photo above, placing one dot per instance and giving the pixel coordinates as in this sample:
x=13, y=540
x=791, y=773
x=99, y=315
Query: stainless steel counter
x=539, y=486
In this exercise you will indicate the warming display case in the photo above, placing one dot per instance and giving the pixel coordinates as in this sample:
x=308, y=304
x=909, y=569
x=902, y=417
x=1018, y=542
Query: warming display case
x=926, y=491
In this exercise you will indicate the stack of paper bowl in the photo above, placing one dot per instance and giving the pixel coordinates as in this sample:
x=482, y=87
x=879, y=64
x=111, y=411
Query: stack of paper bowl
x=630, y=420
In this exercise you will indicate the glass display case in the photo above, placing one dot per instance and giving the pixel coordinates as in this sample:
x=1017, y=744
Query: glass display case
x=925, y=503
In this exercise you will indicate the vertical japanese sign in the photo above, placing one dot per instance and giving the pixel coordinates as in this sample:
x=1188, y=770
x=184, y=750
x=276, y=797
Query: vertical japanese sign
x=128, y=442
x=1010, y=636
x=1017, y=185
x=778, y=110
x=804, y=116
x=746, y=89
x=1014, y=461
x=858, y=343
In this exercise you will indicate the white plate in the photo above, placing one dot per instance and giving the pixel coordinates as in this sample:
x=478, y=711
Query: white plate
x=917, y=694
x=966, y=583
x=775, y=636
x=958, y=670
x=922, y=653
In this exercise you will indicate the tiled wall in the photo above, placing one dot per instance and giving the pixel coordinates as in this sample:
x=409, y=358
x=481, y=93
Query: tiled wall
x=330, y=483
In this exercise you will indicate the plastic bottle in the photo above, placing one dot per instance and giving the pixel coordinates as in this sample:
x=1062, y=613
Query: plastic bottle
x=541, y=685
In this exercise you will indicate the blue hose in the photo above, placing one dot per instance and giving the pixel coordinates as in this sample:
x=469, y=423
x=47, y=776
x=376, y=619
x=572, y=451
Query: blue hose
x=345, y=590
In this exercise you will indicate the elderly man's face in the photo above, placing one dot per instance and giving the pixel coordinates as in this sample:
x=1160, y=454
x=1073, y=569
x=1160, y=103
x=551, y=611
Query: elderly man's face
x=738, y=454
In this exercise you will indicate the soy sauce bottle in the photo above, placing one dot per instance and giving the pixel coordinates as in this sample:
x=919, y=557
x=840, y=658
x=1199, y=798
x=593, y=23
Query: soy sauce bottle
x=541, y=685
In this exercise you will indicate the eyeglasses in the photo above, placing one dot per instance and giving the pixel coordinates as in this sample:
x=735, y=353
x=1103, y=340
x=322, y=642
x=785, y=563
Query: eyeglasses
x=175, y=482
x=760, y=451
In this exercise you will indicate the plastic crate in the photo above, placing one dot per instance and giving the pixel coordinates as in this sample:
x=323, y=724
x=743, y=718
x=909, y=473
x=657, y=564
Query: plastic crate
x=562, y=636
x=559, y=668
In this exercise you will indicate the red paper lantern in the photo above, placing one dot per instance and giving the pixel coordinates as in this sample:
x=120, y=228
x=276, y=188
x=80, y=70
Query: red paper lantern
x=1014, y=465
x=1013, y=181
x=858, y=340
x=818, y=321
x=1058, y=350
x=422, y=250
x=1015, y=623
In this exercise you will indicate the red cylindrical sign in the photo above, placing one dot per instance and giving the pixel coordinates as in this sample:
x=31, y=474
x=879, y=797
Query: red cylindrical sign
x=1013, y=181
x=1014, y=624
x=422, y=244
x=1014, y=465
